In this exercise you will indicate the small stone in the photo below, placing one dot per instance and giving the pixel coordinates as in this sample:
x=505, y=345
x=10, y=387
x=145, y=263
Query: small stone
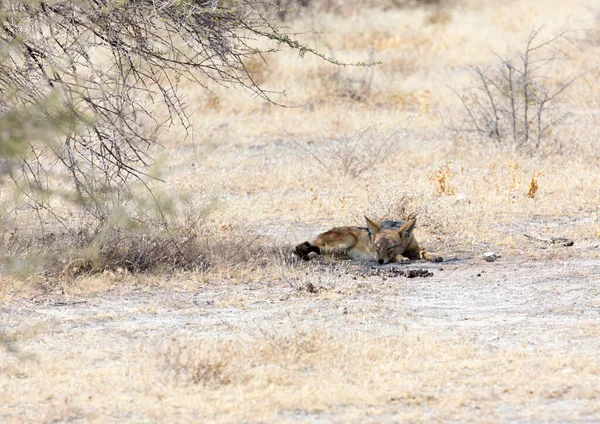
x=462, y=198
x=490, y=256
x=343, y=310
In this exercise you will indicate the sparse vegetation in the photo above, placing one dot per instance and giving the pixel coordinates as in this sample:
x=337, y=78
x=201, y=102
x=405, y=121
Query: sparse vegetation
x=354, y=154
x=190, y=306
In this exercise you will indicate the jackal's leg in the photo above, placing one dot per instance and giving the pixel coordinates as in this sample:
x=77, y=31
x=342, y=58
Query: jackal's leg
x=336, y=240
x=414, y=251
x=422, y=254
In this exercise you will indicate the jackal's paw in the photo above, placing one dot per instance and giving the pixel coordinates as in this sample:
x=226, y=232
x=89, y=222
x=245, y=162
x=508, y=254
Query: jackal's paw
x=402, y=259
x=434, y=258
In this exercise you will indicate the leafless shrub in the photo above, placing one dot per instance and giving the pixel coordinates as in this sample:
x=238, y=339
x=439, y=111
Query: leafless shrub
x=360, y=152
x=517, y=101
x=354, y=154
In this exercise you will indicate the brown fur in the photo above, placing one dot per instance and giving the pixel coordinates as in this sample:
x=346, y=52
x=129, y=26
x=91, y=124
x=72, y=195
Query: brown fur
x=388, y=241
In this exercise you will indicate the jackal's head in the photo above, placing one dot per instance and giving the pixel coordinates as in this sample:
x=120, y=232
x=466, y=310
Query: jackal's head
x=390, y=242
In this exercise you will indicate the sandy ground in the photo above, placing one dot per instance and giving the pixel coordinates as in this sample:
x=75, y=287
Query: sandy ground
x=540, y=314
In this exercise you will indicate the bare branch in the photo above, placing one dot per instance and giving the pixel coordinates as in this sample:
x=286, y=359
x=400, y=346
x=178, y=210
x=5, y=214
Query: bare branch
x=512, y=99
x=97, y=115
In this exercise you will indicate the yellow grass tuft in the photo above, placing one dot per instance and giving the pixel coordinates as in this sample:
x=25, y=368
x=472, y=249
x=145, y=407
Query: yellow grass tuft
x=441, y=180
x=533, y=184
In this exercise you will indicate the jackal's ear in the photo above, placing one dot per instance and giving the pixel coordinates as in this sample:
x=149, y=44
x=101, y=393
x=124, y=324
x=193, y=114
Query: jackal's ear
x=372, y=226
x=406, y=230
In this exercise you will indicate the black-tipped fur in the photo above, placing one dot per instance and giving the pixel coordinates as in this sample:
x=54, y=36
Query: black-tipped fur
x=304, y=249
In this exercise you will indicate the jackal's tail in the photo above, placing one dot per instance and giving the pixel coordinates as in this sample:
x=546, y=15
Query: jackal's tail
x=304, y=249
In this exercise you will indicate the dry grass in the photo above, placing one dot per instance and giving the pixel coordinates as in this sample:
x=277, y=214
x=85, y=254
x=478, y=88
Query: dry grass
x=401, y=375
x=288, y=375
x=257, y=179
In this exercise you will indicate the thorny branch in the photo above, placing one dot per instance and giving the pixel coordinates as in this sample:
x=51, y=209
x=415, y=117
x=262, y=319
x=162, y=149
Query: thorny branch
x=94, y=71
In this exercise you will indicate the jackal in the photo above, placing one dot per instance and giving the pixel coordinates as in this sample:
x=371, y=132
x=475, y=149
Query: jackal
x=384, y=242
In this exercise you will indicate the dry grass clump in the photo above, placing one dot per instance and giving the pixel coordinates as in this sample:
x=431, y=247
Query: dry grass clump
x=142, y=233
x=197, y=363
x=185, y=241
x=533, y=184
x=358, y=153
x=213, y=363
x=441, y=180
x=340, y=86
x=278, y=357
x=276, y=374
x=155, y=250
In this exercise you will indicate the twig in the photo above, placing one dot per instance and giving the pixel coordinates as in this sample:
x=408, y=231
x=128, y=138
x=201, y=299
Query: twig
x=563, y=241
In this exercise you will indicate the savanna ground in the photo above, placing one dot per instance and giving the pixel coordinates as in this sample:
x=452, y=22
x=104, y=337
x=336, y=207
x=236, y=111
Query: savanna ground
x=258, y=336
